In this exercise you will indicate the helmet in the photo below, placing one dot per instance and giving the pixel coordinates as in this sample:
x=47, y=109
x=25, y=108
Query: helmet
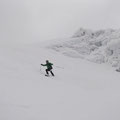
x=47, y=61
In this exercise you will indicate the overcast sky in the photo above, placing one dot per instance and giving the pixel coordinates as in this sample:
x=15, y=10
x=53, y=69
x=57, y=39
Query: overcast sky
x=36, y=20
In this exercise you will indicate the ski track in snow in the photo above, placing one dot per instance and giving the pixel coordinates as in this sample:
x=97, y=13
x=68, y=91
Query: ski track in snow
x=80, y=90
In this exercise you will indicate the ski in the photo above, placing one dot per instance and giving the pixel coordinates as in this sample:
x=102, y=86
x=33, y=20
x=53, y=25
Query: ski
x=118, y=70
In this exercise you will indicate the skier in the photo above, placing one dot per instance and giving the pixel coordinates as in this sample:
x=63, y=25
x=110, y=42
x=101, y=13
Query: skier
x=49, y=68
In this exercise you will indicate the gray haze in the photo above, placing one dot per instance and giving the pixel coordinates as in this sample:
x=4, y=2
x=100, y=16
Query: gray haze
x=36, y=20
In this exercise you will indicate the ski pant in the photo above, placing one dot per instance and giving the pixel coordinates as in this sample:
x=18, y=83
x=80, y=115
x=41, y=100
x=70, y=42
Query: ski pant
x=47, y=70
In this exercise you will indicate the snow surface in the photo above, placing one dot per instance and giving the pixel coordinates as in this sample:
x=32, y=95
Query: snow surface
x=80, y=90
x=101, y=46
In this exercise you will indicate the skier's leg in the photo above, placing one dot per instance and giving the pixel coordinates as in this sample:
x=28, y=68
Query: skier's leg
x=47, y=71
x=52, y=73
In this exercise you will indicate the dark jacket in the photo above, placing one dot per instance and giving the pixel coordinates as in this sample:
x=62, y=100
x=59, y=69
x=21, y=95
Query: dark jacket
x=48, y=65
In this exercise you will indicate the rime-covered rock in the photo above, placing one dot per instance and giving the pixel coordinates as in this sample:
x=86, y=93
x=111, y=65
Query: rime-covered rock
x=102, y=46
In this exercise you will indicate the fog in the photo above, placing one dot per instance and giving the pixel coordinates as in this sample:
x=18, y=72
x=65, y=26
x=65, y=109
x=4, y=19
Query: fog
x=40, y=20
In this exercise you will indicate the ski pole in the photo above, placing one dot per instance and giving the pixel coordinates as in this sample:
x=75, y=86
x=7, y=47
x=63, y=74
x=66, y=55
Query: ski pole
x=58, y=67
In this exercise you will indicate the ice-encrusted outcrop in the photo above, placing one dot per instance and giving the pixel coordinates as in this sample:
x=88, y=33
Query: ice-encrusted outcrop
x=101, y=46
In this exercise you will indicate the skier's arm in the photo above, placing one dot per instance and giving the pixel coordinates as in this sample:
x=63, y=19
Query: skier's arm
x=44, y=64
x=51, y=63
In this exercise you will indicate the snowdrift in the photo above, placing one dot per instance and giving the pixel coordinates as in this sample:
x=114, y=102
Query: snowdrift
x=101, y=46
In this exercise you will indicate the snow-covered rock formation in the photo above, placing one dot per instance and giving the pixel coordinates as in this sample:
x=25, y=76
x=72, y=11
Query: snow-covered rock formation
x=101, y=46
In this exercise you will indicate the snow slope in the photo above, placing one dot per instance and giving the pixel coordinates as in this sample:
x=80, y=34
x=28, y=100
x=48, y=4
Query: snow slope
x=101, y=46
x=80, y=90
